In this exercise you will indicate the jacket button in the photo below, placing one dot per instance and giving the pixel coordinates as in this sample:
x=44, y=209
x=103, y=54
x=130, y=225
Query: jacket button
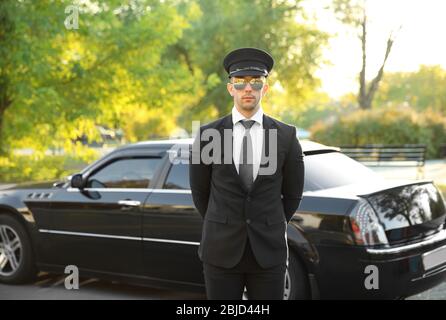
x=248, y=221
x=249, y=199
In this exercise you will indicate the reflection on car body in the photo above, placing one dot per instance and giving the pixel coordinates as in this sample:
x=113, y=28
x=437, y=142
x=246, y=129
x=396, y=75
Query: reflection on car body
x=129, y=216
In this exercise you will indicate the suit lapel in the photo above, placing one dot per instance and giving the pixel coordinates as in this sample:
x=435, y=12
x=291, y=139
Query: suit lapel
x=268, y=124
x=227, y=124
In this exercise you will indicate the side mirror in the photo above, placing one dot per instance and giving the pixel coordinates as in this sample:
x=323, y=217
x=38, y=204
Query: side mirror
x=77, y=181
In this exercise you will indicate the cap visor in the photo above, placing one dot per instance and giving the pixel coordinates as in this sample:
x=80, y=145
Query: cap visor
x=243, y=73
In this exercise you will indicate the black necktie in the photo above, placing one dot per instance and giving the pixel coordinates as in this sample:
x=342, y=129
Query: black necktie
x=246, y=156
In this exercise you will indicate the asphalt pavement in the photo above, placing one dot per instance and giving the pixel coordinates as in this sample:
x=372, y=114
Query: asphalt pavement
x=52, y=286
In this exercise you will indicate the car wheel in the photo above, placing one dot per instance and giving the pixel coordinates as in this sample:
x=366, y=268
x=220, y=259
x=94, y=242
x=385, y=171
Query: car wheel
x=296, y=280
x=16, y=257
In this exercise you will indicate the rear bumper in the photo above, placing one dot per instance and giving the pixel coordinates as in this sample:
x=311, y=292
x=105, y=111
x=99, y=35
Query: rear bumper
x=435, y=239
x=401, y=272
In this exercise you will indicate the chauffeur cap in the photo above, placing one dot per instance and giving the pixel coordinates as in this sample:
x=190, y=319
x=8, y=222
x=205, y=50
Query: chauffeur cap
x=248, y=62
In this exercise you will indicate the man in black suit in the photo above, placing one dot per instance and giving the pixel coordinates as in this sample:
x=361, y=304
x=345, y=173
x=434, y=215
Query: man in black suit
x=246, y=177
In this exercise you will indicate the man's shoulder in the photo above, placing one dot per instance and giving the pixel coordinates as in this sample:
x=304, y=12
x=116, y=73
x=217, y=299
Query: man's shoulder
x=215, y=124
x=281, y=124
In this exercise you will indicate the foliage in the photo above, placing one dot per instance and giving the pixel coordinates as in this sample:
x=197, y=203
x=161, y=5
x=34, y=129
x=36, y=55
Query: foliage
x=442, y=188
x=39, y=167
x=401, y=125
x=62, y=82
x=145, y=66
x=421, y=89
x=349, y=12
x=278, y=26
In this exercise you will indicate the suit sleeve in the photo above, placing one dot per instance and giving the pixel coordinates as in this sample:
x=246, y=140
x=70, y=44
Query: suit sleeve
x=293, y=177
x=199, y=177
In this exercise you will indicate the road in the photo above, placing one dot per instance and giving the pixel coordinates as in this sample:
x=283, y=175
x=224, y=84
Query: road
x=50, y=286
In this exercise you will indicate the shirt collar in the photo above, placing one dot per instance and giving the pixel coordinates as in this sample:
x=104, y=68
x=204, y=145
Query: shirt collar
x=237, y=116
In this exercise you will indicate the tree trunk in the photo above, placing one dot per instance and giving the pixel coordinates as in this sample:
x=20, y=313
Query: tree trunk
x=374, y=85
x=5, y=102
x=7, y=30
x=362, y=81
x=2, y=146
x=366, y=95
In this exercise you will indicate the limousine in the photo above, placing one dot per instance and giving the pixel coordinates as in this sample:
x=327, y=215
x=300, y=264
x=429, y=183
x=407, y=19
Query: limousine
x=129, y=216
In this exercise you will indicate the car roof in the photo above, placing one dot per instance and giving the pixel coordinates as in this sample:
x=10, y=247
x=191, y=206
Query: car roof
x=308, y=146
x=161, y=146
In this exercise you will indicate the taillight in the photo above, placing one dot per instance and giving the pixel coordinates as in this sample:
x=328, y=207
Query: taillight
x=365, y=225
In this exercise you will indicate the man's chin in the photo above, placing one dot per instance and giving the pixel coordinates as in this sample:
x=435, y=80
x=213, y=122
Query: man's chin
x=248, y=106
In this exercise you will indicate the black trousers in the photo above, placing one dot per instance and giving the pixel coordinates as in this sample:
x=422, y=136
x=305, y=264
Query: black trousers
x=229, y=283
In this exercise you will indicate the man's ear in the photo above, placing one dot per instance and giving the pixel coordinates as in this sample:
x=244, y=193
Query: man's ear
x=230, y=88
x=265, y=88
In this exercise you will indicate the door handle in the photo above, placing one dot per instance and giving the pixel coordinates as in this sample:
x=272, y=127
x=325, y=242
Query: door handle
x=129, y=203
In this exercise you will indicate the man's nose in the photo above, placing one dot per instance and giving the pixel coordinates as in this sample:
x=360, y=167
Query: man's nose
x=248, y=87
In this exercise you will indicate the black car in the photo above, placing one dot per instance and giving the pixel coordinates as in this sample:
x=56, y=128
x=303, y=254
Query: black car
x=130, y=217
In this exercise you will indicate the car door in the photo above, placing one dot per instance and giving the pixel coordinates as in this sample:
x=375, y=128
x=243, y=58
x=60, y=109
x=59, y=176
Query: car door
x=172, y=229
x=99, y=227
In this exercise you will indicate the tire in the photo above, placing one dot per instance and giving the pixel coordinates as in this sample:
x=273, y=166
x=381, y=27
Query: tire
x=14, y=240
x=296, y=280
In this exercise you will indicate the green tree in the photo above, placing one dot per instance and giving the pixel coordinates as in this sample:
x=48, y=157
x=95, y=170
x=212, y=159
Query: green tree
x=272, y=25
x=354, y=14
x=56, y=84
x=425, y=88
x=140, y=64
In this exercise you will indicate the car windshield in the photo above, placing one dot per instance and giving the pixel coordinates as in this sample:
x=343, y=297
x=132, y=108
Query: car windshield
x=334, y=169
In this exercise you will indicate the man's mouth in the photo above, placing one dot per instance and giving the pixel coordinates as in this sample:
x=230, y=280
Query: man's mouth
x=248, y=98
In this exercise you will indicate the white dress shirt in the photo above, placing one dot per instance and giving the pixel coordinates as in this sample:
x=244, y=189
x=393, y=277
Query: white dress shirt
x=256, y=133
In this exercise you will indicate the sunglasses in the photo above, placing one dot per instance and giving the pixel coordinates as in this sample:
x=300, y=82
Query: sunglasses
x=241, y=83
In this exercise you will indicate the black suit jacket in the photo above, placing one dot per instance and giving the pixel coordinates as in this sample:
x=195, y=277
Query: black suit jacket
x=232, y=213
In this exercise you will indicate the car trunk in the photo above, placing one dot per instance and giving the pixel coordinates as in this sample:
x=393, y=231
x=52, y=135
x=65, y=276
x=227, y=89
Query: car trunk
x=409, y=212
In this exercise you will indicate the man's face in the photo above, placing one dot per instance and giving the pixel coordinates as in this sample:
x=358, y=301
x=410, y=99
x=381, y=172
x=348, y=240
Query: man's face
x=251, y=95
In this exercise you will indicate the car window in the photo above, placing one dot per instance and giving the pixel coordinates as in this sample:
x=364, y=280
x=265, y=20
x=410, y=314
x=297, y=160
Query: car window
x=334, y=169
x=125, y=173
x=322, y=171
x=178, y=177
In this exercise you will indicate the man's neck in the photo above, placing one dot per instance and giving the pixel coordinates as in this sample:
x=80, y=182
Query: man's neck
x=248, y=113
